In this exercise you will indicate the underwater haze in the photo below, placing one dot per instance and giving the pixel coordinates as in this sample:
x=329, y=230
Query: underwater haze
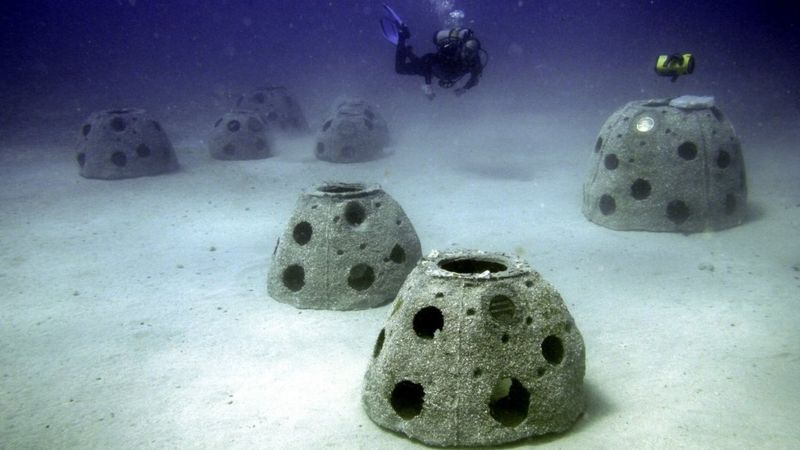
x=135, y=314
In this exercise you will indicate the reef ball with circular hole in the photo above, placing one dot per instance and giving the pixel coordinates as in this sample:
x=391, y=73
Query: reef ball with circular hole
x=355, y=132
x=124, y=143
x=240, y=135
x=278, y=109
x=347, y=246
x=478, y=350
x=667, y=165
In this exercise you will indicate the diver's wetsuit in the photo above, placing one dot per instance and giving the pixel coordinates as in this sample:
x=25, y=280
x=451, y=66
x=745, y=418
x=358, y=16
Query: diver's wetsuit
x=448, y=71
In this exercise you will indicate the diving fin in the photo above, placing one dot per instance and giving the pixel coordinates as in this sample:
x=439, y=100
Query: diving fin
x=393, y=14
x=390, y=25
x=389, y=29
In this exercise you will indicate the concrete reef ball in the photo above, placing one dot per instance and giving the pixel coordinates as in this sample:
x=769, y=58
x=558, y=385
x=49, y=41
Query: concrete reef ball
x=354, y=132
x=124, y=143
x=478, y=350
x=240, y=135
x=278, y=109
x=347, y=246
x=667, y=165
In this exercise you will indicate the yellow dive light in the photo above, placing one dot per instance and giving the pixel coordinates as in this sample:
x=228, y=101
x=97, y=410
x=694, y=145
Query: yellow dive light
x=675, y=65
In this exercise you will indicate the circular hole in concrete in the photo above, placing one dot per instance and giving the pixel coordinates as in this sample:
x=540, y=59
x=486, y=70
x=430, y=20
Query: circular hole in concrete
x=302, y=233
x=552, y=349
x=504, y=339
x=234, y=125
x=528, y=320
x=678, y=211
x=354, y=213
x=143, y=151
x=86, y=129
x=398, y=255
x=611, y=161
x=407, y=399
x=730, y=204
x=540, y=372
x=470, y=311
x=640, y=189
x=509, y=402
x=427, y=321
x=667, y=131
x=119, y=159
x=477, y=372
x=294, y=277
x=607, y=204
x=439, y=295
x=254, y=125
x=229, y=149
x=341, y=188
x=362, y=246
x=528, y=283
x=379, y=343
x=118, y=124
x=502, y=309
x=598, y=144
x=470, y=265
x=81, y=159
x=687, y=150
x=361, y=277
x=326, y=125
x=723, y=159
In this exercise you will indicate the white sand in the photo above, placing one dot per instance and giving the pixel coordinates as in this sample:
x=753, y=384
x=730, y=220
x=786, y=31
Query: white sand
x=121, y=328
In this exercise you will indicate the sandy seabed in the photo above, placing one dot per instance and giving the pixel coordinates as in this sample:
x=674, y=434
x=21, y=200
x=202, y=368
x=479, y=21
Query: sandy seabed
x=135, y=312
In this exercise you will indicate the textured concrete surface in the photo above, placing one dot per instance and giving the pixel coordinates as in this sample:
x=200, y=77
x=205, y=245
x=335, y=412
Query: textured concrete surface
x=347, y=246
x=354, y=132
x=124, y=143
x=659, y=167
x=240, y=135
x=478, y=350
x=277, y=107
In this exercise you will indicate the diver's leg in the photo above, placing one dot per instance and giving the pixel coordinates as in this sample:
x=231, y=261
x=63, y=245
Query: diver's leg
x=405, y=61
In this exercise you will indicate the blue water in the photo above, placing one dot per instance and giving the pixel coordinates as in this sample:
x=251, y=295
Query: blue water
x=544, y=54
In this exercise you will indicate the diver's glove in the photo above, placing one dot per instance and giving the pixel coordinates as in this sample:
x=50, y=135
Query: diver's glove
x=459, y=92
x=428, y=91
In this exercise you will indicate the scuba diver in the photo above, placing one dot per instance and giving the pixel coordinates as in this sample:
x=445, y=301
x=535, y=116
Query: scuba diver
x=458, y=53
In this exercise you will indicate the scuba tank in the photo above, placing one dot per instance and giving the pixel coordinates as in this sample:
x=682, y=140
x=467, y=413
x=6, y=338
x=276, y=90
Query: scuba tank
x=675, y=65
x=452, y=43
